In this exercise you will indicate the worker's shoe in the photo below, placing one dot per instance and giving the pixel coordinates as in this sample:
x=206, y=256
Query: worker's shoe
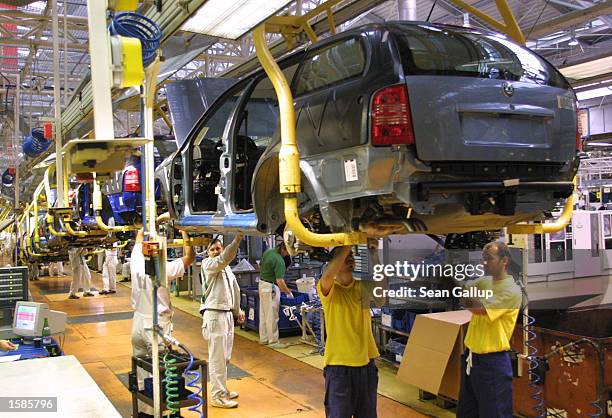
x=112, y=291
x=88, y=294
x=223, y=403
x=231, y=395
x=264, y=343
x=73, y=297
x=278, y=345
x=104, y=292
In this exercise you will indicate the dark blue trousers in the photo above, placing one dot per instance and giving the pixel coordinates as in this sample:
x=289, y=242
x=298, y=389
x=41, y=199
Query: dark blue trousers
x=351, y=391
x=487, y=391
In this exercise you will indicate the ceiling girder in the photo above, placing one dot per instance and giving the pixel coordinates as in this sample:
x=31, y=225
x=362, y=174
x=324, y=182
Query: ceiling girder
x=570, y=19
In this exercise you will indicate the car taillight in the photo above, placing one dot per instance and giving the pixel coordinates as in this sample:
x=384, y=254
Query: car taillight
x=131, y=180
x=390, y=117
x=578, y=130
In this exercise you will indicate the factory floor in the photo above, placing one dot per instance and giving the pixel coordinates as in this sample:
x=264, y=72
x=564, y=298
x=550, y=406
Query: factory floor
x=270, y=383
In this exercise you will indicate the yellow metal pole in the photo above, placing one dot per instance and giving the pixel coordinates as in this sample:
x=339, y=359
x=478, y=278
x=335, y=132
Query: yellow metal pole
x=47, y=181
x=71, y=231
x=289, y=157
x=36, y=196
x=50, y=220
x=548, y=228
x=512, y=27
x=97, y=205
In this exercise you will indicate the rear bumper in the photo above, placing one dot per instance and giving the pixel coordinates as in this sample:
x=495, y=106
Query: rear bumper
x=560, y=189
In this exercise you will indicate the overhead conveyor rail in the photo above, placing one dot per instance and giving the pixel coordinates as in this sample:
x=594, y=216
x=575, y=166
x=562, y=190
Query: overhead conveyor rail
x=172, y=17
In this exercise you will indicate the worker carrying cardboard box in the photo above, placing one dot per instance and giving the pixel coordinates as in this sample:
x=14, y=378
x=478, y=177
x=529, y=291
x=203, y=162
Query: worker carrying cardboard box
x=351, y=377
x=486, y=375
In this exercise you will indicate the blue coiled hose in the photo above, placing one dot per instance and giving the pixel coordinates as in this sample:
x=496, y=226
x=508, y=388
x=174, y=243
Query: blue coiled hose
x=171, y=383
x=135, y=25
x=195, y=376
x=534, y=365
x=532, y=355
x=35, y=143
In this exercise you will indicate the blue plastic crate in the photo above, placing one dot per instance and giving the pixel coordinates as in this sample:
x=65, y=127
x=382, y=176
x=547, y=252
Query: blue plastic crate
x=249, y=303
x=396, y=346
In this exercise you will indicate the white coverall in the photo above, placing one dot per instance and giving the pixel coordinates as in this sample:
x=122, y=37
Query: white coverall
x=269, y=305
x=34, y=271
x=142, y=302
x=220, y=302
x=56, y=269
x=99, y=261
x=81, y=276
x=109, y=270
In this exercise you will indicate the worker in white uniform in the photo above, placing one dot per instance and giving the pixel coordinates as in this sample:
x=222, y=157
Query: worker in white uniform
x=99, y=261
x=220, y=304
x=142, y=302
x=56, y=269
x=109, y=271
x=34, y=271
x=81, y=276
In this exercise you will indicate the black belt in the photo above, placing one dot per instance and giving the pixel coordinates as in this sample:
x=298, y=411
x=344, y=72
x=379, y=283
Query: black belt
x=214, y=310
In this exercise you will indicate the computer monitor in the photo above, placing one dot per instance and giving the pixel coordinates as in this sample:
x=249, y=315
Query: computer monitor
x=29, y=319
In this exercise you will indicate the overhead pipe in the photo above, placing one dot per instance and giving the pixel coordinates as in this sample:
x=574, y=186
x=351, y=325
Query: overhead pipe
x=35, y=201
x=47, y=183
x=548, y=228
x=29, y=244
x=50, y=220
x=407, y=9
x=289, y=156
x=70, y=230
x=509, y=26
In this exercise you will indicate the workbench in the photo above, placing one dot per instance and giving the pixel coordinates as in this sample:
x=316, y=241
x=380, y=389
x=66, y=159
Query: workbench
x=63, y=377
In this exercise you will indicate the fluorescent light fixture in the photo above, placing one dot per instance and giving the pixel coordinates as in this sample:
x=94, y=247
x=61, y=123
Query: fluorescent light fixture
x=573, y=42
x=591, y=94
x=232, y=19
x=599, y=144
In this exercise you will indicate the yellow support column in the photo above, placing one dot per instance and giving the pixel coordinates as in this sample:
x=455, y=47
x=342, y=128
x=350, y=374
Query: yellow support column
x=289, y=156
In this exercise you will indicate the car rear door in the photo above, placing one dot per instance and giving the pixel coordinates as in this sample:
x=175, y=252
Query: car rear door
x=481, y=97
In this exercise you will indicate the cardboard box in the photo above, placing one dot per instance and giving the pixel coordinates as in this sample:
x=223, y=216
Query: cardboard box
x=432, y=360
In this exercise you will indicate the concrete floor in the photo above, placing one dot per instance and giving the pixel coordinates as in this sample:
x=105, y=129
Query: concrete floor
x=278, y=385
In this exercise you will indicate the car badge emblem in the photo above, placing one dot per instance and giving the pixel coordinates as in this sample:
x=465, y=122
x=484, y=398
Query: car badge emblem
x=508, y=89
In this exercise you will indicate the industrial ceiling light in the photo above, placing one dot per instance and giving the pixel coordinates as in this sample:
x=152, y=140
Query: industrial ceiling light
x=573, y=41
x=232, y=19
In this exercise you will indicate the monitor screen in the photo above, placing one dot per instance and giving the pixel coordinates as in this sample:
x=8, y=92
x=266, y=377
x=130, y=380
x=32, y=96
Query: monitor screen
x=25, y=317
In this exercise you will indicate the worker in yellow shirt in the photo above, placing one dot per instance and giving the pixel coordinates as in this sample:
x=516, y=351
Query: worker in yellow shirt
x=486, y=379
x=351, y=377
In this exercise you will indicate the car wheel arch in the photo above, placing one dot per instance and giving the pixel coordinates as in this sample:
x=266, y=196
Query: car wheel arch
x=267, y=200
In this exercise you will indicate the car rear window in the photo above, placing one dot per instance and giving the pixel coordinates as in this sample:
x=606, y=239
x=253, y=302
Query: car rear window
x=429, y=50
x=331, y=65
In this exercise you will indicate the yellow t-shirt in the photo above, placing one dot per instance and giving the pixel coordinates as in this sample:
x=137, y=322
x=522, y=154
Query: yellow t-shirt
x=491, y=333
x=348, y=326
